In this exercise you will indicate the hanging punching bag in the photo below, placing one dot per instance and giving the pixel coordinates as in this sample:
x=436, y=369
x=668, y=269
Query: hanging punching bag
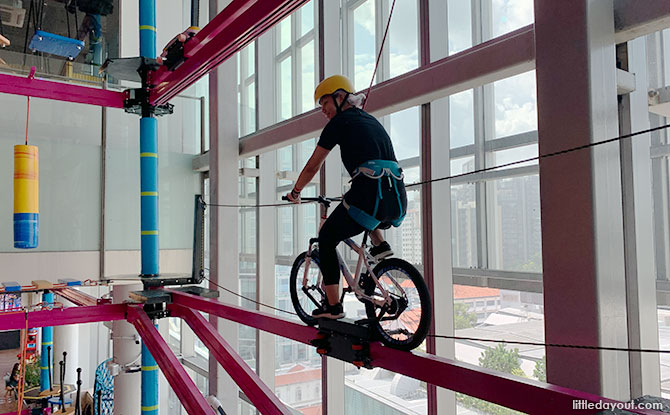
x=26, y=196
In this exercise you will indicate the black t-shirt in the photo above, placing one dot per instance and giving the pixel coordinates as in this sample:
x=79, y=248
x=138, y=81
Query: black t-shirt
x=360, y=136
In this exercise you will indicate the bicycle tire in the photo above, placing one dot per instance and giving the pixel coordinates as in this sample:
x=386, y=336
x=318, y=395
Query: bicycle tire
x=299, y=299
x=415, y=340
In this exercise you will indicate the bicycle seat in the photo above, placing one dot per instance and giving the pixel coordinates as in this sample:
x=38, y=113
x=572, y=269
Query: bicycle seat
x=384, y=225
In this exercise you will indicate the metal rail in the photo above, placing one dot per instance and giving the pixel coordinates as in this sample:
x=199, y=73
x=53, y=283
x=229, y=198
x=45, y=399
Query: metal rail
x=19, y=85
x=523, y=395
x=181, y=383
x=249, y=382
x=232, y=29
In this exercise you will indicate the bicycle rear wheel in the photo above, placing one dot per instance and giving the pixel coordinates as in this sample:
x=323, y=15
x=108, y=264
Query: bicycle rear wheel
x=306, y=298
x=405, y=323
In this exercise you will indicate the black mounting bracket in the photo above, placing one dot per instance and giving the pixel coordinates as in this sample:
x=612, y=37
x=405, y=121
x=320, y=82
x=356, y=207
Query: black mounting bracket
x=345, y=340
x=136, y=101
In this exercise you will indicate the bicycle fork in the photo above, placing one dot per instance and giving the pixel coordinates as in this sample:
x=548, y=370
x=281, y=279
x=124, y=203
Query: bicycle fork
x=305, y=277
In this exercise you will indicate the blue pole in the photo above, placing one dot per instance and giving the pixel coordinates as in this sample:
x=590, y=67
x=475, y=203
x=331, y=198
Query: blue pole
x=47, y=341
x=149, y=194
x=149, y=200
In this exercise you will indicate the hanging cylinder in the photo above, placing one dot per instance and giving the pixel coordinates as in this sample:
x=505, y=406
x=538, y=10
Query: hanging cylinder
x=26, y=196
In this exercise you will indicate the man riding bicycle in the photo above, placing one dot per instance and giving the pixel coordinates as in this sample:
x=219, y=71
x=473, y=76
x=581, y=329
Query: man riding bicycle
x=377, y=197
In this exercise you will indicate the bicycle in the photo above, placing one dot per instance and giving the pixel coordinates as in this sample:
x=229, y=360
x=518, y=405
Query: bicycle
x=396, y=298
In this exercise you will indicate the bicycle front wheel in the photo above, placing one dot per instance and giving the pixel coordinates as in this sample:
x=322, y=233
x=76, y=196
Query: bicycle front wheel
x=306, y=295
x=404, y=323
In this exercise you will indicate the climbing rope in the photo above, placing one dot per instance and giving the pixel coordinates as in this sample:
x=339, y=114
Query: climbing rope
x=379, y=55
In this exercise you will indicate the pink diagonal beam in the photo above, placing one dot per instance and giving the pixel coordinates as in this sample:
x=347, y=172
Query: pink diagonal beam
x=231, y=30
x=262, y=321
x=181, y=383
x=524, y=395
x=62, y=316
x=249, y=382
x=38, y=88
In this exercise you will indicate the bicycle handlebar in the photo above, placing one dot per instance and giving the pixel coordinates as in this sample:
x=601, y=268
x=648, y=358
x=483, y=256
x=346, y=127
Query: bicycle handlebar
x=321, y=199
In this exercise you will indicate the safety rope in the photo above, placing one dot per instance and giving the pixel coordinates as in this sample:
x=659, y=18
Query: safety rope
x=249, y=299
x=569, y=346
x=487, y=169
x=543, y=156
x=379, y=55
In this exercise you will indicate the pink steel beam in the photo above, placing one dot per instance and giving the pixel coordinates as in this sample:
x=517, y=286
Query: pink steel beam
x=236, y=26
x=262, y=321
x=499, y=58
x=249, y=382
x=77, y=297
x=524, y=395
x=62, y=316
x=181, y=383
x=19, y=85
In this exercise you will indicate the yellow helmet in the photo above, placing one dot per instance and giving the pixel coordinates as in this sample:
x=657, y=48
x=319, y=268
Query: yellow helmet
x=332, y=84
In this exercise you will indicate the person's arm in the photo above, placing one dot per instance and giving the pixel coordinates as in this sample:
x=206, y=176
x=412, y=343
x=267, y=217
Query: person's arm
x=308, y=172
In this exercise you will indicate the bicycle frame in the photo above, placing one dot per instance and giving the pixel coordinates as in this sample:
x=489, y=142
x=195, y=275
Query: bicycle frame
x=352, y=280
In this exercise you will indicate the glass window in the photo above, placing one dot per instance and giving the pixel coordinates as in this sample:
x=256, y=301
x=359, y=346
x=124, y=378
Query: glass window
x=306, y=18
x=405, y=134
x=403, y=38
x=296, y=63
x=285, y=90
x=308, y=76
x=284, y=34
x=514, y=230
x=459, y=14
x=515, y=105
x=513, y=155
x=461, y=119
x=464, y=226
x=462, y=165
x=509, y=15
x=174, y=331
x=364, y=52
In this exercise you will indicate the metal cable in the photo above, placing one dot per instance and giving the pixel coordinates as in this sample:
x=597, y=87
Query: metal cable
x=249, y=299
x=486, y=169
x=570, y=346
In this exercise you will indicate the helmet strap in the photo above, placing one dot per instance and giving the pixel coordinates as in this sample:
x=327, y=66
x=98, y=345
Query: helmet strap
x=339, y=106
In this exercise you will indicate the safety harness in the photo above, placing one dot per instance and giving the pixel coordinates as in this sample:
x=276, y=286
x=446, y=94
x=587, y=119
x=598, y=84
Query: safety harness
x=377, y=170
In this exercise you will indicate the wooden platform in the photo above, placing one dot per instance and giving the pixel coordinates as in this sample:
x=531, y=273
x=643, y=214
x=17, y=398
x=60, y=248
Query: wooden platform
x=35, y=394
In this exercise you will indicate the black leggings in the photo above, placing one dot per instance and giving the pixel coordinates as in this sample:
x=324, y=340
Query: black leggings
x=340, y=226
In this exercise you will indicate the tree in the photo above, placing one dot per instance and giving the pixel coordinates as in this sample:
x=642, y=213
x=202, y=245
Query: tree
x=540, y=371
x=502, y=360
x=463, y=318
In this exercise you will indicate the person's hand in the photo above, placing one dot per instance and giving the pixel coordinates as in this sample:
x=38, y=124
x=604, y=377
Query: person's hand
x=293, y=196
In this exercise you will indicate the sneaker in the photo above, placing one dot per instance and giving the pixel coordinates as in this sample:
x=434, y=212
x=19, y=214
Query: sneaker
x=332, y=312
x=381, y=251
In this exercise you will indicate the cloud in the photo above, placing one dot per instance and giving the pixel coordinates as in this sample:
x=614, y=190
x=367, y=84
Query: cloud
x=405, y=132
x=402, y=63
x=515, y=104
x=365, y=16
x=403, y=34
x=509, y=15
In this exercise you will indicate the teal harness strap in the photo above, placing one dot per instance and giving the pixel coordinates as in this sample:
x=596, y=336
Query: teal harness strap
x=377, y=170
